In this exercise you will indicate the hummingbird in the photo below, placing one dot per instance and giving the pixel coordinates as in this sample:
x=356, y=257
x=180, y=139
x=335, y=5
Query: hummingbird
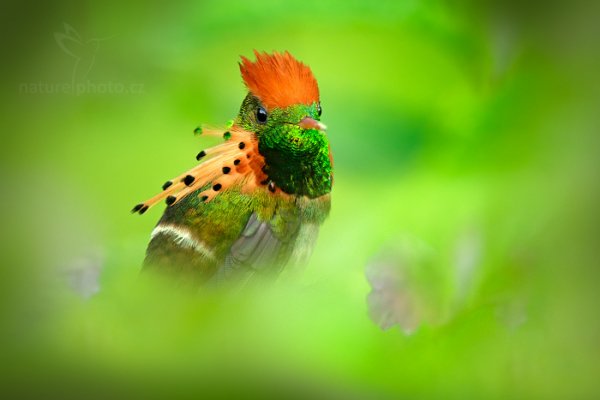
x=254, y=203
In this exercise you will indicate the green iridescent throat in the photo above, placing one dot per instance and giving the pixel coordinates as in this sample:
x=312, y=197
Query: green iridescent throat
x=297, y=160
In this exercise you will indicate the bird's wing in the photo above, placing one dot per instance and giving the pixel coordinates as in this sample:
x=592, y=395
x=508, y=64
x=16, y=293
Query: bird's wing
x=263, y=247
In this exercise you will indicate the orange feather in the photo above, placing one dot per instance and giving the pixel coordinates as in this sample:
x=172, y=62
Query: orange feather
x=279, y=80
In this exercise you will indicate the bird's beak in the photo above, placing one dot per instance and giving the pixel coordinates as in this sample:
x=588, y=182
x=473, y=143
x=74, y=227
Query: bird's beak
x=309, y=123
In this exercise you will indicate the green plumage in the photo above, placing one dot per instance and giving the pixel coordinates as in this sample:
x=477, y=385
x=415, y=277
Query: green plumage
x=297, y=160
x=220, y=223
x=237, y=234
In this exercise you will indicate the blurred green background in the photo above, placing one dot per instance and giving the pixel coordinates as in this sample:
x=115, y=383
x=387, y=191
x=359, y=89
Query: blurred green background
x=465, y=137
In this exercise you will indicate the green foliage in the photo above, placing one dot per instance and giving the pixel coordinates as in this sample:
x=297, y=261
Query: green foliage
x=465, y=145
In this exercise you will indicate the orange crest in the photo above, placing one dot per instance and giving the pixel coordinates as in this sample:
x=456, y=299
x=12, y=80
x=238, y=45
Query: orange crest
x=279, y=80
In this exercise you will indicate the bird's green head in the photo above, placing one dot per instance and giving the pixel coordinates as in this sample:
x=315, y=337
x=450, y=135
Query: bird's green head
x=283, y=109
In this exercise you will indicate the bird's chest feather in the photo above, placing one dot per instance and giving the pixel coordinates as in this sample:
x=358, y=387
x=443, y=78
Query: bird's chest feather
x=297, y=161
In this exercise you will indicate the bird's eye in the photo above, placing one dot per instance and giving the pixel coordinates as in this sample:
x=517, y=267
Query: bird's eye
x=261, y=115
x=319, y=109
